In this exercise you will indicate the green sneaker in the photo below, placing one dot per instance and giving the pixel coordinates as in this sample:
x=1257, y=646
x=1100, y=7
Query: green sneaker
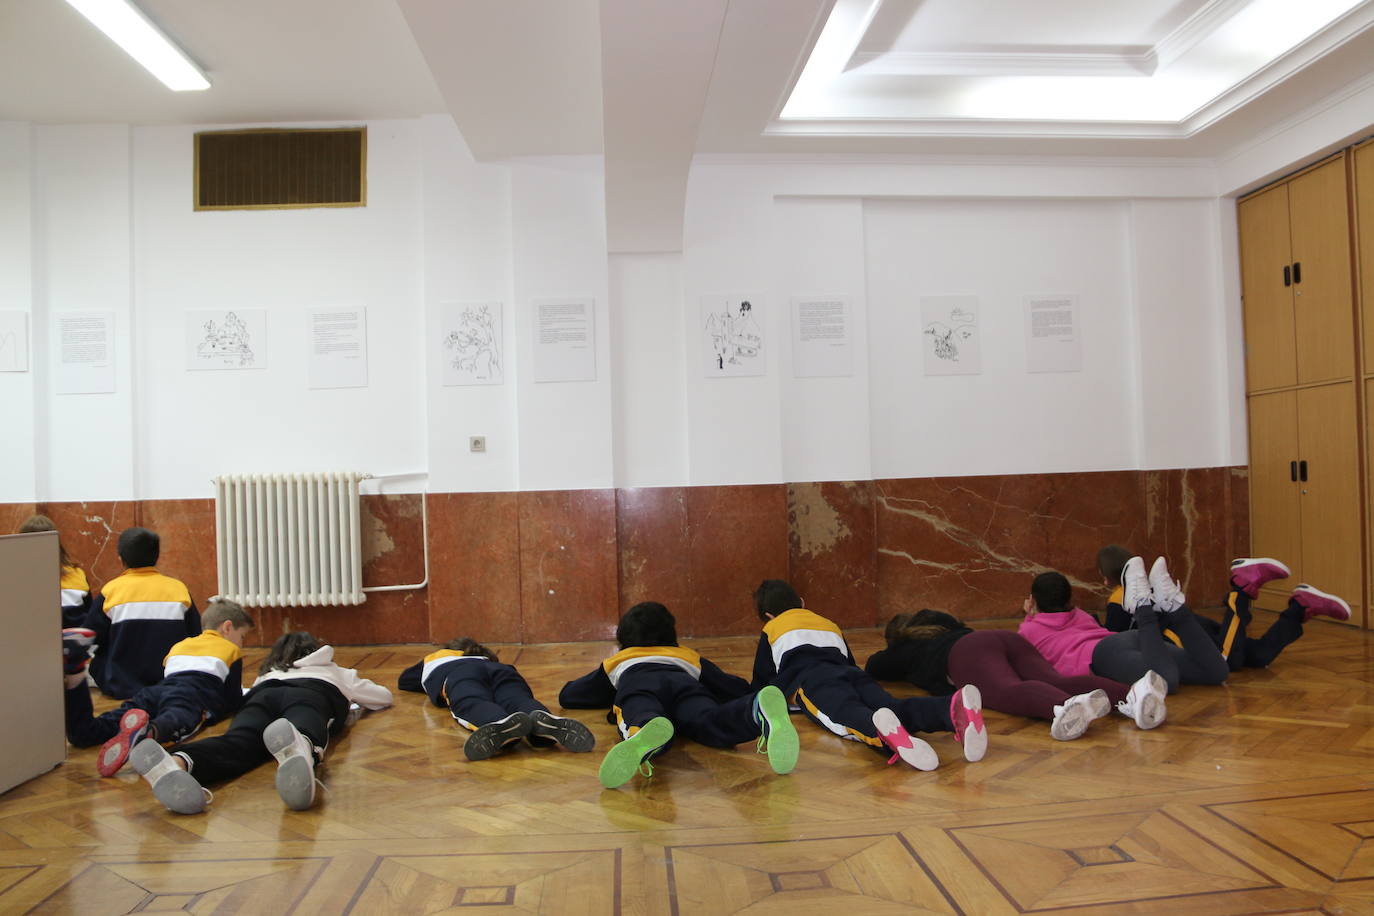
x=627, y=758
x=777, y=735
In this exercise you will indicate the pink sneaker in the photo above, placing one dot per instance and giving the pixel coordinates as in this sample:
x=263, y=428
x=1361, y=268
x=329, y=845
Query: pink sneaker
x=966, y=712
x=1319, y=604
x=1249, y=573
x=910, y=750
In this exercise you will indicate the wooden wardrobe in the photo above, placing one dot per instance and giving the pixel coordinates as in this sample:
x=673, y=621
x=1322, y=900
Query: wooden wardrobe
x=1309, y=352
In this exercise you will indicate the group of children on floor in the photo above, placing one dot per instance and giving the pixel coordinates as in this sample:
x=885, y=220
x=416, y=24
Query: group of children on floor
x=142, y=641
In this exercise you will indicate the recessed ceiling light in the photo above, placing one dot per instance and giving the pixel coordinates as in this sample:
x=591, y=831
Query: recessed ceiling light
x=127, y=27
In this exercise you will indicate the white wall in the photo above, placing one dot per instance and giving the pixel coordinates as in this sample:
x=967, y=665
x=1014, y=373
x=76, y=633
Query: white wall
x=1147, y=246
x=17, y=483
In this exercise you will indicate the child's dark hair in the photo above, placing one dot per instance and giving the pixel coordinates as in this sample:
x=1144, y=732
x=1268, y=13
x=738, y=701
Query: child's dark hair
x=1051, y=592
x=773, y=597
x=222, y=609
x=43, y=523
x=1111, y=560
x=469, y=646
x=139, y=547
x=924, y=624
x=647, y=624
x=288, y=648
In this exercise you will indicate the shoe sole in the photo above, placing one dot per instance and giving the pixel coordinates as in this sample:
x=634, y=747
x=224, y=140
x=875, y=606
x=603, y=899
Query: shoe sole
x=1265, y=561
x=1150, y=711
x=1325, y=611
x=783, y=745
x=295, y=772
x=570, y=733
x=975, y=740
x=177, y=790
x=1095, y=703
x=621, y=762
x=920, y=755
x=487, y=740
x=1071, y=723
x=115, y=752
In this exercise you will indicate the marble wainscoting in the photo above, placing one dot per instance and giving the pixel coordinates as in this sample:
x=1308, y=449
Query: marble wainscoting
x=561, y=565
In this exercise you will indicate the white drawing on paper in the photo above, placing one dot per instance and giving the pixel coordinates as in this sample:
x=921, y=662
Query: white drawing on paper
x=227, y=344
x=9, y=351
x=475, y=344
x=947, y=337
x=735, y=339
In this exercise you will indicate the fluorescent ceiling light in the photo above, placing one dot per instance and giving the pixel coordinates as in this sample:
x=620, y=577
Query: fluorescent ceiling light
x=127, y=27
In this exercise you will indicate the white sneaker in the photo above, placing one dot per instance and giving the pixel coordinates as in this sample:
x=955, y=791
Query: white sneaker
x=1168, y=594
x=295, y=764
x=1135, y=585
x=1144, y=702
x=1070, y=722
x=905, y=746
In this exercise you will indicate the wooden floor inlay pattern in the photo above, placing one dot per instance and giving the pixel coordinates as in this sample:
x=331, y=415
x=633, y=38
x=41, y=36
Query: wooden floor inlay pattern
x=1254, y=797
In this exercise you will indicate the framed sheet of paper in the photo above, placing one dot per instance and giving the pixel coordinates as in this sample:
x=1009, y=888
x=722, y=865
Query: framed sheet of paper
x=14, y=341
x=338, y=347
x=822, y=337
x=85, y=351
x=564, y=340
x=226, y=339
x=732, y=336
x=1053, y=340
x=950, y=335
x=471, y=346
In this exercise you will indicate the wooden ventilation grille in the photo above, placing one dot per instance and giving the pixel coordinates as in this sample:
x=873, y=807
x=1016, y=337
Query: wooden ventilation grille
x=272, y=169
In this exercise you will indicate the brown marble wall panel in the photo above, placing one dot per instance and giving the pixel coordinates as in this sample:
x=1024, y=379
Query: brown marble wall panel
x=832, y=549
x=392, y=539
x=186, y=528
x=474, y=566
x=971, y=545
x=568, y=565
x=12, y=515
x=386, y=617
x=1238, y=511
x=90, y=532
x=737, y=538
x=1187, y=524
x=653, y=542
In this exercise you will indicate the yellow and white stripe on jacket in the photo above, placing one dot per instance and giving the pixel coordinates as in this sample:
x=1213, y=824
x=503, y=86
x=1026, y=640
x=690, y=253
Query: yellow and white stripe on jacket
x=209, y=652
x=74, y=586
x=616, y=666
x=800, y=627
x=145, y=594
x=436, y=660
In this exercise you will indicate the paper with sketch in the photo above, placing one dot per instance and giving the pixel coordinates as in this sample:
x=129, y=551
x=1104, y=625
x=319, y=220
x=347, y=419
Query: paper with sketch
x=1053, y=341
x=14, y=341
x=472, y=345
x=85, y=352
x=338, y=347
x=226, y=339
x=822, y=337
x=732, y=336
x=565, y=340
x=950, y=335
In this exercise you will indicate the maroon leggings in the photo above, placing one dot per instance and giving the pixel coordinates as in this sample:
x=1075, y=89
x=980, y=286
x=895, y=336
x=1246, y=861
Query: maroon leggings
x=1015, y=678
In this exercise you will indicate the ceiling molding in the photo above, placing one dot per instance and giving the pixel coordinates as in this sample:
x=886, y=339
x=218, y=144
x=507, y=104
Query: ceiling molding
x=928, y=160
x=973, y=127
x=1195, y=28
x=1059, y=61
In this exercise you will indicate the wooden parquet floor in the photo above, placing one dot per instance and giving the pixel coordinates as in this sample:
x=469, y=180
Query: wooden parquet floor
x=1254, y=797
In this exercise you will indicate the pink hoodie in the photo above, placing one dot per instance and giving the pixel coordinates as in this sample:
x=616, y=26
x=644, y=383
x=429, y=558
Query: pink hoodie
x=1066, y=638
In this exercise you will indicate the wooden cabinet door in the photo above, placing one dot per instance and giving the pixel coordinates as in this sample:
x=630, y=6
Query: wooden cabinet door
x=1323, y=313
x=1270, y=354
x=1328, y=442
x=1275, y=519
x=1364, y=219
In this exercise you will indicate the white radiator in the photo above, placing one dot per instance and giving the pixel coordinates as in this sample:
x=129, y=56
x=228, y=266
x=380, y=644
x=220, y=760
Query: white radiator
x=289, y=540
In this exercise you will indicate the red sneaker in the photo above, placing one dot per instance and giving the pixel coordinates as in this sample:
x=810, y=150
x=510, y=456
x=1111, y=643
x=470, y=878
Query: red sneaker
x=1317, y=603
x=133, y=726
x=1249, y=573
x=966, y=712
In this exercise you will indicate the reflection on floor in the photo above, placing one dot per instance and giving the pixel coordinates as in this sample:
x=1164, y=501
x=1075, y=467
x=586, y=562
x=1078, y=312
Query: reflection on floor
x=1253, y=797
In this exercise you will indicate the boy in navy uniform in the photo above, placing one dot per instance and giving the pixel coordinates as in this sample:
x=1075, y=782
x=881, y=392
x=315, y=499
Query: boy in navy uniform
x=202, y=683
x=806, y=657
x=138, y=616
x=491, y=700
x=656, y=688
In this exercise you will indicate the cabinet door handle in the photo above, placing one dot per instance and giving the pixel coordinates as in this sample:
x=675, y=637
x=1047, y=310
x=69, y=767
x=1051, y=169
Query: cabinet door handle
x=1293, y=471
x=1297, y=272
x=1287, y=275
x=1302, y=470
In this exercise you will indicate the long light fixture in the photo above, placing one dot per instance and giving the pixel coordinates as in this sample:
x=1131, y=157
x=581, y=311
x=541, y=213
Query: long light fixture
x=127, y=27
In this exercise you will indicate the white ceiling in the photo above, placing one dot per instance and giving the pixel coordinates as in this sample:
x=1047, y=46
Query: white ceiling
x=650, y=83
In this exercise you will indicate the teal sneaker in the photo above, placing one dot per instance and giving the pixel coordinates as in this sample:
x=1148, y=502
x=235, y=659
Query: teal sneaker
x=631, y=756
x=777, y=735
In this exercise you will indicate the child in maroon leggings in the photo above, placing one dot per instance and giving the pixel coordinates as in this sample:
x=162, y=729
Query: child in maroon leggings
x=938, y=653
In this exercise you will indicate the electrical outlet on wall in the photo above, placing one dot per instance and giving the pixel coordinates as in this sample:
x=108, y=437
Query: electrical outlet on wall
x=477, y=443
